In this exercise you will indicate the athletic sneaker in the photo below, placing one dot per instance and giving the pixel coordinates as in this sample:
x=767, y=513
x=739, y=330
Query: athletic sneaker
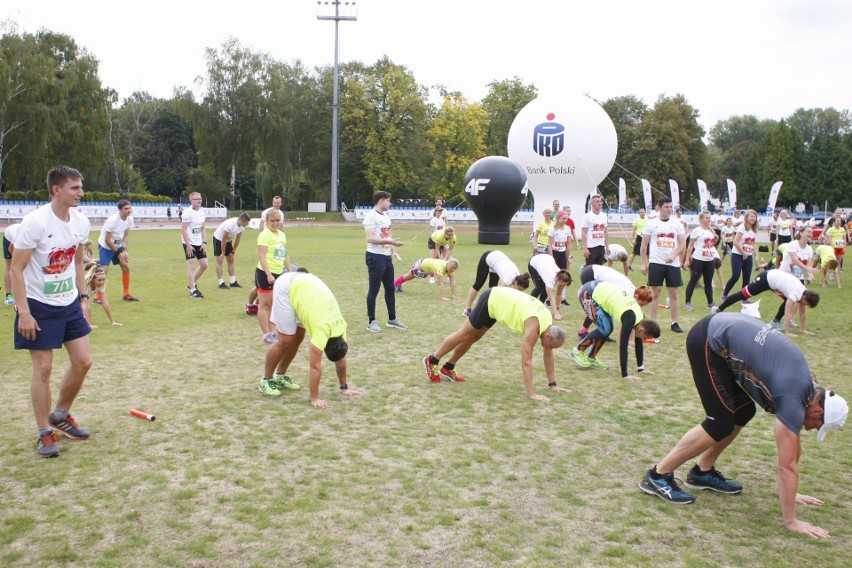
x=712, y=480
x=666, y=488
x=397, y=289
x=450, y=375
x=235, y=284
x=581, y=333
x=723, y=297
x=564, y=303
x=67, y=426
x=47, y=447
x=270, y=338
x=10, y=301
x=580, y=358
x=595, y=364
x=374, y=327
x=777, y=325
x=431, y=280
x=712, y=307
x=676, y=328
x=268, y=388
x=223, y=286
x=97, y=301
x=431, y=370
x=687, y=306
x=129, y=298
x=793, y=323
x=396, y=323
x=251, y=309
x=466, y=312
x=196, y=294
x=283, y=382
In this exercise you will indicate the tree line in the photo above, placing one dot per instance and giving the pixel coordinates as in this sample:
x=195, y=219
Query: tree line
x=268, y=123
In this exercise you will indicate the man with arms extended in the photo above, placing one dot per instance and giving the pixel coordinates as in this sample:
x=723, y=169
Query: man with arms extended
x=112, y=245
x=49, y=284
x=381, y=250
x=661, y=260
x=194, y=240
x=302, y=302
x=595, y=235
x=738, y=363
x=519, y=312
x=226, y=240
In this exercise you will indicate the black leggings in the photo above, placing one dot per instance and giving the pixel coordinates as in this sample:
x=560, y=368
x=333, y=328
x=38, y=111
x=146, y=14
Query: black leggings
x=698, y=269
x=540, y=289
x=738, y=265
x=726, y=405
x=482, y=273
x=760, y=285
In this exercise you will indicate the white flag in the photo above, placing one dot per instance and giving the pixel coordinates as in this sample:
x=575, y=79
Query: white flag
x=703, y=195
x=675, y=193
x=732, y=194
x=622, y=194
x=773, y=197
x=649, y=199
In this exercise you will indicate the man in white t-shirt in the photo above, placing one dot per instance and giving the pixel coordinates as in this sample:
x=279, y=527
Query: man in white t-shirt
x=616, y=252
x=381, y=250
x=661, y=261
x=194, y=239
x=277, y=201
x=594, y=233
x=112, y=245
x=48, y=281
x=226, y=240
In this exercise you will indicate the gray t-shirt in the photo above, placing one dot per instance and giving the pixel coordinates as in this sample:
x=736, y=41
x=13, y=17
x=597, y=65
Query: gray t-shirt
x=766, y=364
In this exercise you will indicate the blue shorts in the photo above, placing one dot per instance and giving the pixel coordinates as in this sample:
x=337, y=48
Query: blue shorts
x=106, y=256
x=59, y=324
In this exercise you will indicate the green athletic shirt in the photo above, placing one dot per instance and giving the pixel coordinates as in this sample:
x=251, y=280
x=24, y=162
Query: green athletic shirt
x=276, y=250
x=440, y=238
x=317, y=309
x=640, y=223
x=512, y=308
x=825, y=254
x=434, y=266
x=616, y=300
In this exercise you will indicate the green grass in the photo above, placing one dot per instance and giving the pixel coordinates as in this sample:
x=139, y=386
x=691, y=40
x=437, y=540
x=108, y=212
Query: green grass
x=410, y=474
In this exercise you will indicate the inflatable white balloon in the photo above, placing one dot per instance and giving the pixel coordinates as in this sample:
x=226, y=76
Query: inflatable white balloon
x=566, y=145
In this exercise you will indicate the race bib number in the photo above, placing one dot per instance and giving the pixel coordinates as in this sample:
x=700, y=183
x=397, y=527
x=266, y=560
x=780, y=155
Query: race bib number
x=541, y=249
x=58, y=286
x=666, y=244
x=707, y=254
x=798, y=272
x=838, y=243
x=196, y=230
x=597, y=235
x=279, y=253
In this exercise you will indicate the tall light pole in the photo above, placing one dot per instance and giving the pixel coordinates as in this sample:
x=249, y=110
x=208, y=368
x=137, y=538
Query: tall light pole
x=337, y=11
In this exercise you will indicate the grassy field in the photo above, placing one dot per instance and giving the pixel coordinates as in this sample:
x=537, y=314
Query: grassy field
x=410, y=474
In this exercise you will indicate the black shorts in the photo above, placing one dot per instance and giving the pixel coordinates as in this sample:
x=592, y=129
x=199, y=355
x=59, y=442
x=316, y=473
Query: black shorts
x=483, y=273
x=217, y=247
x=7, y=254
x=431, y=244
x=664, y=275
x=196, y=249
x=772, y=237
x=597, y=255
x=262, y=282
x=478, y=316
x=637, y=246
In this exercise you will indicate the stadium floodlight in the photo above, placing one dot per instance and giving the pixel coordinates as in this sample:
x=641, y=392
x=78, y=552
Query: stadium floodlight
x=336, y=11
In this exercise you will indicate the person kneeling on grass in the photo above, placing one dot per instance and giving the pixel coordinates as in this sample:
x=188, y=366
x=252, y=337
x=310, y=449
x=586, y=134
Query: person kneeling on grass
x=519, y=312
x=426, y=266
x=737, y=363
x=300, y=302
x=96, y=284
x=605, y=304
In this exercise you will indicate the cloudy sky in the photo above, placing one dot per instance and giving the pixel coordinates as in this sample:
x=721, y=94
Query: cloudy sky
x=728, y=57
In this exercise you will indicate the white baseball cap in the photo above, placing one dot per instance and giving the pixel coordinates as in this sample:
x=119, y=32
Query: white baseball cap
x=835, y=412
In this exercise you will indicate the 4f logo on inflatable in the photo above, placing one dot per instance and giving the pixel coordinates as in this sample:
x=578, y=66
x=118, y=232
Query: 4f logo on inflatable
x=549, y=137
x=474, y=186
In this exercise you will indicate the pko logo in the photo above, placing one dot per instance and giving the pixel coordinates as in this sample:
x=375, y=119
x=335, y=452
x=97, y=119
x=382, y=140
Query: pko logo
x=474, y=186
x=549, y=137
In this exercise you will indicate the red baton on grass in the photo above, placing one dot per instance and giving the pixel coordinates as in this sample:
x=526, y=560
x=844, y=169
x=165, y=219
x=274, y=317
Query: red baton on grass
x=142, y=415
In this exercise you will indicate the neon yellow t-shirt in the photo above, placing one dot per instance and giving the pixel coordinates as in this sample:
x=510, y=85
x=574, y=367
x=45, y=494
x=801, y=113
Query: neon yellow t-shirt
x=276, y=250
x=317, y=309
x=512, y=308
x=616, y=301
x=434, y=266
x=440, y=238
x=837, y=237
x=640, y=223
x=543, y=229
x=825, y=254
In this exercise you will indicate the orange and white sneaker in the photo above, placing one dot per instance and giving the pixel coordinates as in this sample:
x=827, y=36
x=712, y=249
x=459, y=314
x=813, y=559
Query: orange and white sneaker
x=450, y=375
x=431, y=370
